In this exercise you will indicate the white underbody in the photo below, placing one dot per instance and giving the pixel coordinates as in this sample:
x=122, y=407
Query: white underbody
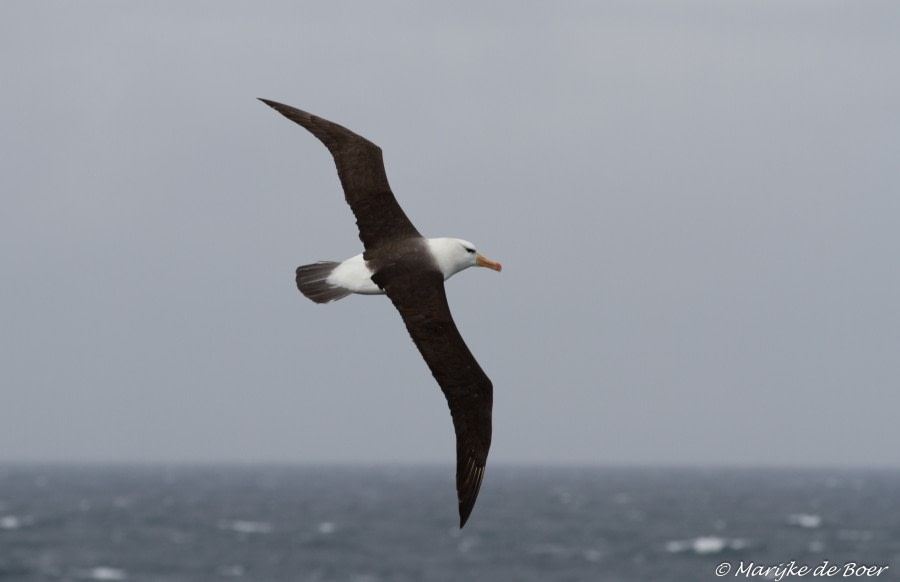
x=355, y=276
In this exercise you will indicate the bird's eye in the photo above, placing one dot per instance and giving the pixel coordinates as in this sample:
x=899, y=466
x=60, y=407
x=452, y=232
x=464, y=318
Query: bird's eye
x=470, y=250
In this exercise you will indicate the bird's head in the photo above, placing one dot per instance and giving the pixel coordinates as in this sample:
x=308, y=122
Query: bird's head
x=453, y=255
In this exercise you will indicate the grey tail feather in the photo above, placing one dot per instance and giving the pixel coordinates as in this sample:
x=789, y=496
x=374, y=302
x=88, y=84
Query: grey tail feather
x=311, y=280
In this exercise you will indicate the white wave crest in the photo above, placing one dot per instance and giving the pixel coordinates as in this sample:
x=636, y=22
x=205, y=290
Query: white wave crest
x=105, y=573
x=809, y=520
x=247, y=527
x=704, y=545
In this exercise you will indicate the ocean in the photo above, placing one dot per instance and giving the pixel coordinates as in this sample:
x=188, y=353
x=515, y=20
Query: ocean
x=381, y=524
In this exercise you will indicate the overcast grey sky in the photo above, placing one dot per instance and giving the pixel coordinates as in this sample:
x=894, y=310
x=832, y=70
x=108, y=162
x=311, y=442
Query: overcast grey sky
x=697, y=206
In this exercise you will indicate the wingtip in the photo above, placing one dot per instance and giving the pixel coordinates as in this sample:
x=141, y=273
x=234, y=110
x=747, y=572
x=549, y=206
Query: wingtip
x=469, y=475
x=464, y=516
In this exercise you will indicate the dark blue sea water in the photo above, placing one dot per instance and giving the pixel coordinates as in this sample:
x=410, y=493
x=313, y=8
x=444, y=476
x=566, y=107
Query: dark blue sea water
x=367, y=524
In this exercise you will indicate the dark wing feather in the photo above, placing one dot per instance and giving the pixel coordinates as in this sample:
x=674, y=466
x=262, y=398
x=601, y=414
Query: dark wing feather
x=361, y=169
x=422, y=302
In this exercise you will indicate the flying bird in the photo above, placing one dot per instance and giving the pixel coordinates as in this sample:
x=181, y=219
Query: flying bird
x=410, y=269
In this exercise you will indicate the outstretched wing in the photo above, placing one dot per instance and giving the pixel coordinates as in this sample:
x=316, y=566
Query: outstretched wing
x=361, y=170
x=422, y=302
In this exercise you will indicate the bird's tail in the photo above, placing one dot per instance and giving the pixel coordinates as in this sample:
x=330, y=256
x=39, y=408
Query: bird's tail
x=312, y=280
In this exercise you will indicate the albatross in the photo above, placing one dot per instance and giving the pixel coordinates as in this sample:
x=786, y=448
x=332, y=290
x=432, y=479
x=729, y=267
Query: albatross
x=410, y=269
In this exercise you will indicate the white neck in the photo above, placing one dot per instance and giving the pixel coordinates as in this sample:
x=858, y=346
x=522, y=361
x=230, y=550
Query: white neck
x=450, y=255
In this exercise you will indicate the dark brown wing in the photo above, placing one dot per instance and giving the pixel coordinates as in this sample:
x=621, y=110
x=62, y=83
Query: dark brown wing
x=361, y=170
x=422, y=302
